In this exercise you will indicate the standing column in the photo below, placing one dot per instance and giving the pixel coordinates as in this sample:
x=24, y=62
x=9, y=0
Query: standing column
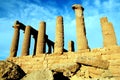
x=59, y=38
x=15, y=40
x=109, y=38
x=26, y=41
x=70, y=46
x=82, y=42
x=41, y=38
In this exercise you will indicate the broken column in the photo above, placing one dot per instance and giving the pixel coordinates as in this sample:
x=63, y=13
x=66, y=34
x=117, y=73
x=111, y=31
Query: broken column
x=15, y=40
x=26, y=41
x=41, y=38
x=70, y=46
x=59, y=38
x=82, y=42
x=109, y=38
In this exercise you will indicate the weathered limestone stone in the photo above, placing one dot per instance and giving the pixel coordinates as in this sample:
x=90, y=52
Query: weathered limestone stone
x=82, y=42
x=15, y=41
x=43, y=74
x=59, y=38
x=41, y=38
x=26, y=41
x=109, y=38
x=70, y=46
x=61, y=67
x=95, y=61
x=10, y=71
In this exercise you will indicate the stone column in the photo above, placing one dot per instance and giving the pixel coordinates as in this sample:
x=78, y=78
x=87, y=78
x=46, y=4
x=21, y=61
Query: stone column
x=26, y=41
x=82, y=42
x=70, y=46
x=109, y=38
x=59, y=38
x=15, y=40
x=41, y=38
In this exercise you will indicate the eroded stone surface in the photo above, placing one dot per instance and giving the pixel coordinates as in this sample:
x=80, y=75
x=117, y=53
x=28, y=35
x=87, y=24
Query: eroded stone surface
x=43, y=74
x=109, y=38
x=10, y=71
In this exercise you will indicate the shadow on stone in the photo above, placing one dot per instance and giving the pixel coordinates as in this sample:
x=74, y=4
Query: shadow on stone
x=60, y=76
x=10, y=71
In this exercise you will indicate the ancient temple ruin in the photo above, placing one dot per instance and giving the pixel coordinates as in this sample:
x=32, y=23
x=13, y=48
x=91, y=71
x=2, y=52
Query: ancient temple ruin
x=41, y=38
x=93, y=62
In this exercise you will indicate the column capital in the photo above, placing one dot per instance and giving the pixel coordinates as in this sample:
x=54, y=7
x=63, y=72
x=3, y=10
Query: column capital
x=16, y=25
x=77, y=6
x=78, y=10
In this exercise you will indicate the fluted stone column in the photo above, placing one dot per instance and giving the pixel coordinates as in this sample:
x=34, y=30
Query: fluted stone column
x=41, y=38
x=26, y=41
x=59, y=38
x=70, y=46
x=15, y=40
x=109, y=38
x=82, y=42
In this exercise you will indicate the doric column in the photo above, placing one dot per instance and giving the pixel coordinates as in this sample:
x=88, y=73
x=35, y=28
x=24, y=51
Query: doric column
x=41, y=38
x=70, y=46
x=15, y=40
x=82, y=42
x=26, y=41
x=59, y=38
x=109, y=38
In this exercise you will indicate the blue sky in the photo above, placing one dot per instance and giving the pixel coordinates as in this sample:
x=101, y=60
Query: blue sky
x=31, y=12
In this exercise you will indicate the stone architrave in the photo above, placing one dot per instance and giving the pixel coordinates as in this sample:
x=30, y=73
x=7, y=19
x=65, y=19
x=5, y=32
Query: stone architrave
x=41, y=38
x=109, y=38
x=70, y=46
x=26, y=41
x=59, y=38
x=82, y=42
x=15, y=40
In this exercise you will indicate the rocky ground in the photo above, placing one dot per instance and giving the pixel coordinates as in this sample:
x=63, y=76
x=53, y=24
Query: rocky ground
x=11, y=71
